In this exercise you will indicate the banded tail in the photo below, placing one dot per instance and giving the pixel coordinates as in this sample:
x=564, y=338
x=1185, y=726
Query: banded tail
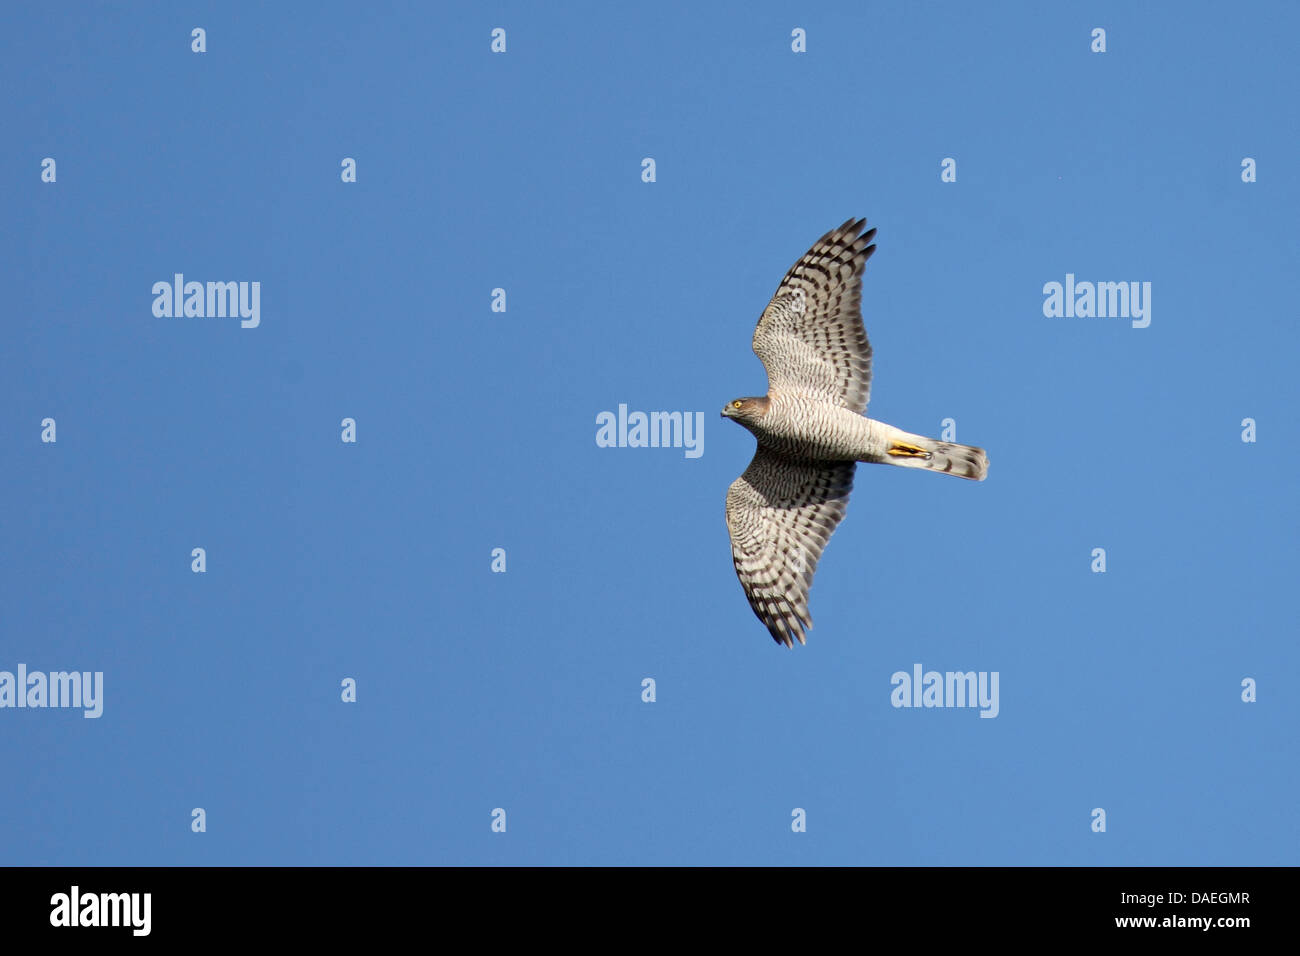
x=949, y=458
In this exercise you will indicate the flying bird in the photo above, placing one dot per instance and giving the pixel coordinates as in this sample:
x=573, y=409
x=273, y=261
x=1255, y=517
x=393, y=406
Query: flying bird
x=812, y=431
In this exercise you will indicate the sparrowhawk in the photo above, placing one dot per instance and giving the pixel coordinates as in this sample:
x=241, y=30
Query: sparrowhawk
x=812, y=432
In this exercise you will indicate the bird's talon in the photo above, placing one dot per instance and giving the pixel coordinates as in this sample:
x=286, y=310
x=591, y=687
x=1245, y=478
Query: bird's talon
x=901, y=449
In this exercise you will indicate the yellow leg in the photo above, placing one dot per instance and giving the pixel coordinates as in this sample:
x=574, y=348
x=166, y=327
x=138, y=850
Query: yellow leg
x=902, y=449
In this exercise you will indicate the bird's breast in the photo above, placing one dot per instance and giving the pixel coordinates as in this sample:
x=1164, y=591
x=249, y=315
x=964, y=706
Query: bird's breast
x=807, y=428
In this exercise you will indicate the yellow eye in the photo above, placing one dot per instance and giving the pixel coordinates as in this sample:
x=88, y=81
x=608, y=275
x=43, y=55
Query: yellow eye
x=736, y=404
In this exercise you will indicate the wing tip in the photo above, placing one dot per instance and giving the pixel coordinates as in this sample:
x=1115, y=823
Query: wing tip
x=786, y=630
x=860, y=244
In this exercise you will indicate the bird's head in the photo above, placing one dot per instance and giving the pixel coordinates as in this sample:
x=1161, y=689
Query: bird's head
x=746, y=411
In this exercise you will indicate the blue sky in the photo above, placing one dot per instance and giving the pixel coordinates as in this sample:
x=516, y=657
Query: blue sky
x=476, y=430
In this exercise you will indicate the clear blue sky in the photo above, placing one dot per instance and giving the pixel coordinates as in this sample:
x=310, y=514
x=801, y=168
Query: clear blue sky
x=476, y=430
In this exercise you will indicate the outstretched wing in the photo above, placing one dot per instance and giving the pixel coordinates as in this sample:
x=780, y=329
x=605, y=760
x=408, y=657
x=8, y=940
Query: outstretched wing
x=780, y=514
x=810, y=337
